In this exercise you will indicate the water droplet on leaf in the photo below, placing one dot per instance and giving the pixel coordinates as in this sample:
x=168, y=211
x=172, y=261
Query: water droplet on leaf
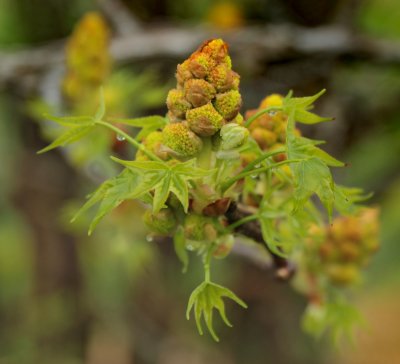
x=121, y=138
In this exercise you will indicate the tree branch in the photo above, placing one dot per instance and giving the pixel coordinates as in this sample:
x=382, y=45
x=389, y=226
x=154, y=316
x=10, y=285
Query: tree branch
x=255, y=44
x=284, y=269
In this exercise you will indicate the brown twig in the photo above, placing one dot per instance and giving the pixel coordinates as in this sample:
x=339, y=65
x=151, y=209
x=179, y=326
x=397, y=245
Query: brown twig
x=284, y=269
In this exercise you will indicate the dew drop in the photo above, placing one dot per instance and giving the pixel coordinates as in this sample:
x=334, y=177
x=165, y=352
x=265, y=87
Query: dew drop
x=149, y=238
x=121, y=138
x=272, y=113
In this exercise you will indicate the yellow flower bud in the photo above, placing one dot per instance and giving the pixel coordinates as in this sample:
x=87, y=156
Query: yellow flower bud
x=228, y=104
x=199, y=92
x=204, y=120
x=177, y=104
x=264, y=138
x=180, y=139
x=271, y=100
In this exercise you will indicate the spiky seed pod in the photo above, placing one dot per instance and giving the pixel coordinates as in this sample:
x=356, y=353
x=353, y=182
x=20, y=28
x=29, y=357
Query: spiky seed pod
x=233, y=136
x=199, y=92
x=177, y=104
x=204, y=120
x=228, y=104
x=180, y=139
x=162, y=223
x=264, y=138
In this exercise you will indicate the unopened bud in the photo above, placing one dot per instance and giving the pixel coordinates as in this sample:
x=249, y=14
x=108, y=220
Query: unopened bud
x=162, y=223
x=177, y=104
x=204, y=120
x=180, y=139
x=199, y=92
x=264, y=138
x=233, y=136
x=228, y=104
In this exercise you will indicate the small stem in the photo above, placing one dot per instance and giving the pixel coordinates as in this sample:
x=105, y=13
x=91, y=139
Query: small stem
x=242, y=221
x=263, y=157
x=231, y=181
x=261, y=112
x=206, y=262
x=134, y=142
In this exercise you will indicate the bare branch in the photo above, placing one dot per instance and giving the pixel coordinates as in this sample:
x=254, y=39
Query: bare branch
x=269, y=43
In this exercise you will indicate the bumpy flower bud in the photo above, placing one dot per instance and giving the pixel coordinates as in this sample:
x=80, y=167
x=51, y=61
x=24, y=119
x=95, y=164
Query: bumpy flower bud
x=216, y=48
x=183, y=73
x=204, y=120
x=271, y=100
x=199, y=228
x=233, y=136
x=346, y=248
x=153, y=143
x=162, y=223
x=224, y=246
x=228, y=104
x=180, y=139
x=200, y=64
x=223, y=78
x=87, y=57
x=199, y=92
x=264, y=138
x=177, y=104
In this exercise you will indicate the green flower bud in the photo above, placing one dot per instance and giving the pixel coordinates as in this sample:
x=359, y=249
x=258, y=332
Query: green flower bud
x=233, y=136
x=180, y=139
x=224, y=246
x=199, y=92
x=162, y=223
x=238, y=119
x=199, y=228
x=177, y=104
x=204, y=120
x=153, y=143
x=228, y=104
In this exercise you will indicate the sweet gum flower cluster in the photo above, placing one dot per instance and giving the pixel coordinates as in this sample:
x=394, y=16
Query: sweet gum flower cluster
x=206, y=98
x=87, y=58
x=269, y=129
x=348, y=245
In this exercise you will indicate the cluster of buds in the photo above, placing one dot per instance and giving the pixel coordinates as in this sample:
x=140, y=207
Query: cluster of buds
x=348, y=245
x=87, y=58
x=204, y=106
x=269, y=129
x=205, y=99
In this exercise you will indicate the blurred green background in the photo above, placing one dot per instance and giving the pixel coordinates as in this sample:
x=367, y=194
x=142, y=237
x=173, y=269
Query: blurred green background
x=116, y=297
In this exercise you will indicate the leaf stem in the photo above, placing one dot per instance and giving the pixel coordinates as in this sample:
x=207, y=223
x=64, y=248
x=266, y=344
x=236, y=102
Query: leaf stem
x=134, y=142
x=261, y=112
x=231, y=181
x=242, y=221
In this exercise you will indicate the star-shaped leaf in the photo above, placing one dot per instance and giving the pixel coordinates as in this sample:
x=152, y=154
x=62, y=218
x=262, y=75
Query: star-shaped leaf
x=167, y=178
x=204, y=299
x=147, y=124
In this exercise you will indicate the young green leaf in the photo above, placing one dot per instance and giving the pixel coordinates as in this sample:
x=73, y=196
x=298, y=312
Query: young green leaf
x=148, y=124
x=180, y=248
x=204, y=299
x=70, y=136
x=70, y=120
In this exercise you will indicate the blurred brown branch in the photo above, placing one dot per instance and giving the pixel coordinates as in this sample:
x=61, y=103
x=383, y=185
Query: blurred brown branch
x=270, y=43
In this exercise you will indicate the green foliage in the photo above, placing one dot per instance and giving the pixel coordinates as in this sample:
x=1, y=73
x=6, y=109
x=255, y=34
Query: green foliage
x=204, y=299
x=229, y=166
